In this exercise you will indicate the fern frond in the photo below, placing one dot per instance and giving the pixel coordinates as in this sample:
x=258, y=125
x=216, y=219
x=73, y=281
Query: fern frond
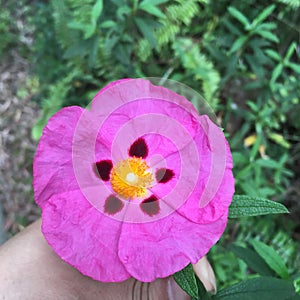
x=200, y=67
x=177, y=15
x=167, y=34
x=81, y=10
x=65, y=36
x=183, y=12
x=143, y=50
x=291, y=3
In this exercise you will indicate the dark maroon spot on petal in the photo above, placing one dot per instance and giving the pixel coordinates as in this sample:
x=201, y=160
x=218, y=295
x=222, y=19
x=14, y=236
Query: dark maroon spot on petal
x=139, y=148
x=113, y=205
x=150, y=206
x=164, y=175
x=104, y=167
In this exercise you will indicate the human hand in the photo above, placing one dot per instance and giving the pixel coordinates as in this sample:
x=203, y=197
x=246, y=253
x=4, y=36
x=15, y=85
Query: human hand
x=29, y=269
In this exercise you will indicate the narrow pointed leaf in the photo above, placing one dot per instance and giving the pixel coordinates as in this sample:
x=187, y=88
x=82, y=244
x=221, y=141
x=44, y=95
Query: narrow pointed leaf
x=239, y=16
x=153, y=2
x=295, y=67
x=271, y=257
x=290, y=51
x=252, y=259
x=273, y=54
x=243, y=206
x=97, y=10
x=146, y=30
x=268, y=35
x=277, y=71
x=261, y=288
x=186, y=279
x=239, y=43
x=153, y=10
x=264, y=14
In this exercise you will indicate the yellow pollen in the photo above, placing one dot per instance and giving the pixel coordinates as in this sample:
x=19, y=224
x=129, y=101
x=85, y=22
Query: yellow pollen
x=131, y=177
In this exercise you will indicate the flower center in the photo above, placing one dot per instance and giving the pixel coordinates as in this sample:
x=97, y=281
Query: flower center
x=131, y=177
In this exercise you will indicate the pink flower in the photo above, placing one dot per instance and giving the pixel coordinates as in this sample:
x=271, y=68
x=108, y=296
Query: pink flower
x=137, y=186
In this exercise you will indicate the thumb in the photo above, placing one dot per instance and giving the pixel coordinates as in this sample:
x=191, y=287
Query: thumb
x=206, y=274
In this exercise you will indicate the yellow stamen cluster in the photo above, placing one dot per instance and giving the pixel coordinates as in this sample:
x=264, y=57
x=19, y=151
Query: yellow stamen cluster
x=131, y=177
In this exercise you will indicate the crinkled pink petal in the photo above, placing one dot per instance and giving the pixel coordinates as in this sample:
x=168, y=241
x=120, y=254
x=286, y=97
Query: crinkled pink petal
x=161, y=248
x=218, y=187
x=219, y=202
x=122, y=92
x=111, y=84
x=140, y=117
x=52, y=167
x=83, y=237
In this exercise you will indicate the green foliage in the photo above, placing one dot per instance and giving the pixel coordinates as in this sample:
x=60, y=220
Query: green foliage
x=112, y=40
x=262, y=259
x=260, y=77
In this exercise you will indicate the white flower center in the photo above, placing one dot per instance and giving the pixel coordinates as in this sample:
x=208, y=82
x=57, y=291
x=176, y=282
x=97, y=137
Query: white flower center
x=130, y=177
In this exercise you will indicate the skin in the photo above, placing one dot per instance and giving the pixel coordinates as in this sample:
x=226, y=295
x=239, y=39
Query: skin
x=29, y=269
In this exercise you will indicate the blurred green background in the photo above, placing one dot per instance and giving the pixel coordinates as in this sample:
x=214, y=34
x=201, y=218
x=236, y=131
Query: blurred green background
x=243, y=57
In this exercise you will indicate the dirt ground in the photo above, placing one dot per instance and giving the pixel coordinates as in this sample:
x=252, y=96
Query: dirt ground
x=17, y=116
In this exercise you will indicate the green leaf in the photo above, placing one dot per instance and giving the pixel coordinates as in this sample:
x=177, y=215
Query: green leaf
x=243, y=206
x=279, y=139
x=267, y=26
x=231, y=27
x=107, y=24
x=93, y=52
x=261, y=288
x=268, y=163
x=186, y=279
x=153, y=2
x=290, y=50
x=271, y=257
x=276, y=73
x=264, y=14
x=146, y=30
x=123, y=52
x=239, y=43
x=255, y=147
x=77, y=49
x=96, y=11
x=111, y=42
x=294, y=67
x=123, y=12
x=77, y=26
x=268, y=35
x=239, y=16
x=273, y=54
x=153, y=10
x=252, y=259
